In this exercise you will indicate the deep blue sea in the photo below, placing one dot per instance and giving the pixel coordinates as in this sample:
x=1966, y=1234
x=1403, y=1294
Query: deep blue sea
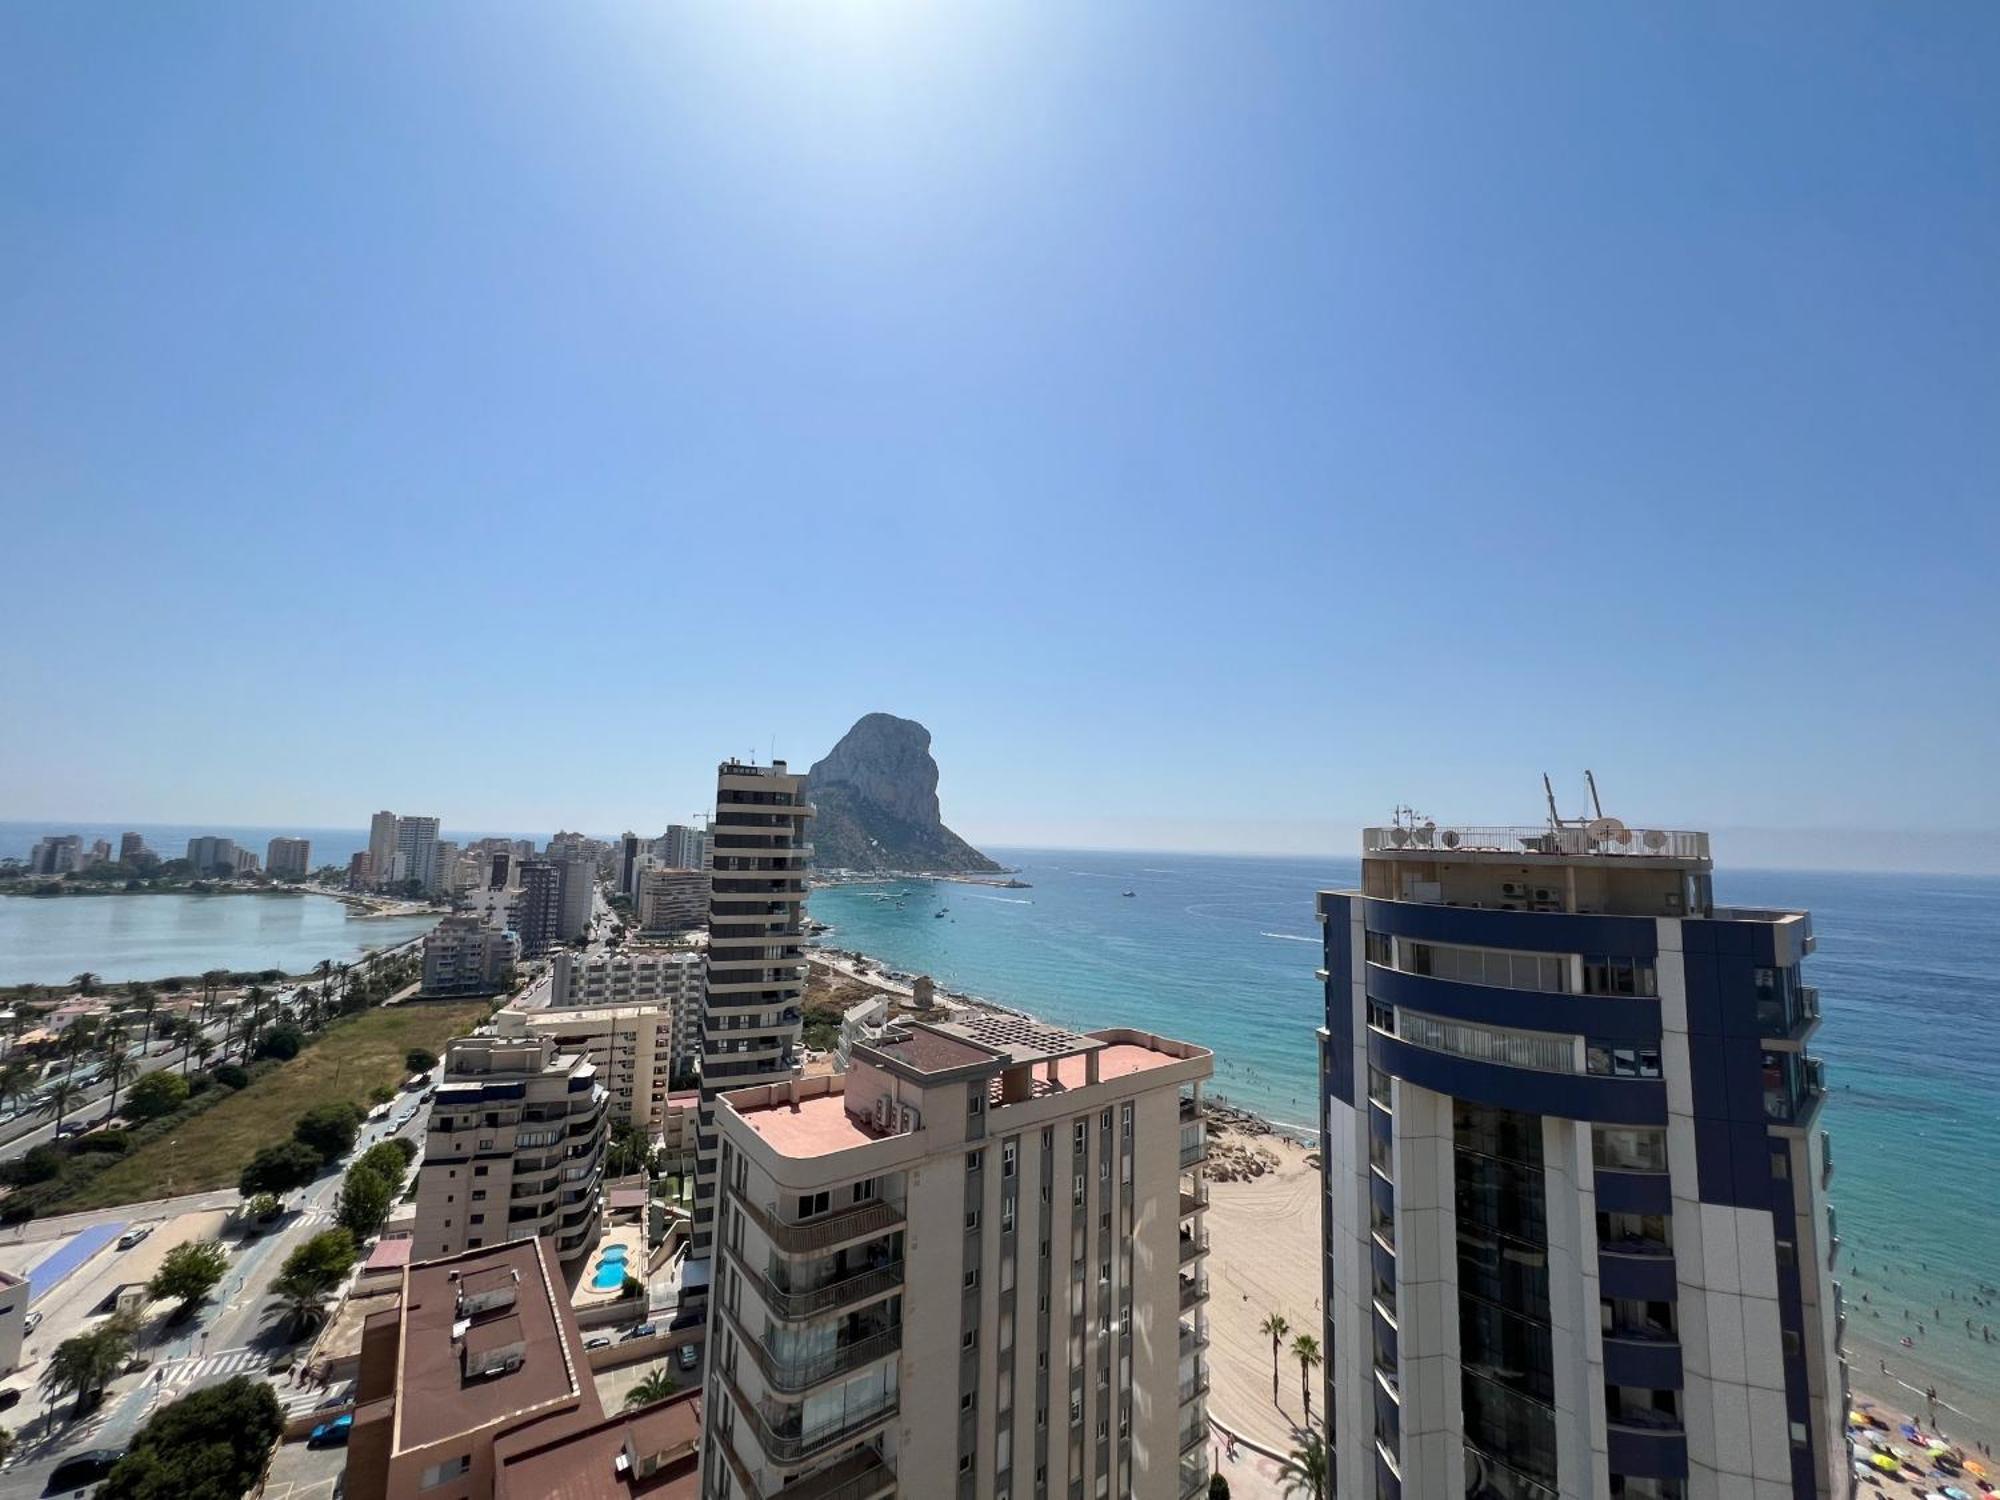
x=1221, y=951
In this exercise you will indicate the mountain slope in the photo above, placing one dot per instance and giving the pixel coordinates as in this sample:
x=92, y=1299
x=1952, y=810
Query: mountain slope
x=876, y=799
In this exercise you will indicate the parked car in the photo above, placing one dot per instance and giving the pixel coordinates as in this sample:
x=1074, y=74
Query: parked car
x=85, y=1468
x=598, y=1341
x=30, y=1323
x=643, y=1331
x=134, y=1235
x=690, y=1356
x=10, y=1395
x=331, y=1434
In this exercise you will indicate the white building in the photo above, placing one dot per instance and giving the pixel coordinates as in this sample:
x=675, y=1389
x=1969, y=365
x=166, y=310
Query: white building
x=288, y=858
x=672, y=900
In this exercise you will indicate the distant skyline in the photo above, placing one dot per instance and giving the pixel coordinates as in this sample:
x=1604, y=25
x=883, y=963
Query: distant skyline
x=1217, y=426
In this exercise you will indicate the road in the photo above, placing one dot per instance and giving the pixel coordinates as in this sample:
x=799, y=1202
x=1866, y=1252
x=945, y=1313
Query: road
x=240, y=1330
x=159, y=1055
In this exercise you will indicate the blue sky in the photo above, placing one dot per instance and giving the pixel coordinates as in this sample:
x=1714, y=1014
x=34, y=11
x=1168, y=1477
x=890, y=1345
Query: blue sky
x=1217, y=423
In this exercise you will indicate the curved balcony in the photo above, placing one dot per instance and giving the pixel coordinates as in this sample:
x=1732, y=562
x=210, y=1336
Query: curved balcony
x=795, y=1306
x=788, y=1442
x=795, y=1377
x=1193, y=1245
x=1572, y=1096
x=830, y=1232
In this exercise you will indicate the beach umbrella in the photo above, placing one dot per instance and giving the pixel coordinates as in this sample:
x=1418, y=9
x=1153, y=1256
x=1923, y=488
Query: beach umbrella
x=1953, y=1492
x=1883, y=1462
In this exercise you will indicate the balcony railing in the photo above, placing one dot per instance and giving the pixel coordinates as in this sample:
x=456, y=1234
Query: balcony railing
x=814, y=1236
x=860, y=1476
x=1193, y=1387
x=1193, y=1245
x=1193, y=1293
x=794, y=1305
x=789, y=1442
x=794, y=1377
x=1660, y=843
x=1194, y=1202
x=1195, y=1154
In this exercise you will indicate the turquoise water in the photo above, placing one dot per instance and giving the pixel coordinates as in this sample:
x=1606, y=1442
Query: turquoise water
x=1222, y=951
x=149, y=936
x=610, y=1269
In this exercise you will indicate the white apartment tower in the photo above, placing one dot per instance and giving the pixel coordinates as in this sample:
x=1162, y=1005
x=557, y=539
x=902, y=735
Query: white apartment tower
x=756, y=969
x=381, y=846
x=973, y=1266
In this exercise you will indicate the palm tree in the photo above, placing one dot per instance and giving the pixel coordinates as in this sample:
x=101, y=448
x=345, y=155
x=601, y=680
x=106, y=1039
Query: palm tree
x=119, y=1066
x=212, y=981
x=186, y=1029
x=657, y=1386
x=86, y=983
x=58, y=1097
x=87, y=1363
x=16, y=1078
x=1304, y=1473
x=1275, y=1328
x=255, y=997
x=1305, y=1349
x=325, y=971
x=304, y=1295
x=202, y=1047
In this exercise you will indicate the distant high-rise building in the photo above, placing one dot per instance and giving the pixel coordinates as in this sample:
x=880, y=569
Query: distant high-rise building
x=628, y=865
x=515, y=1108
x=246, y=862
x=682, y=848
x=211, y=855
x=972, y=1266
x=464, y=956
x=1576, y=1237
x=579, y=892
x=131, y=846
x=756, y=957
x=381, y=846
x=444, y=859
x=359, y=876
x=671, y=900
x=416, y=842
x=57, y=854
x=499, y=872
x=288, y=858
x=100, y=852
x=539, y=910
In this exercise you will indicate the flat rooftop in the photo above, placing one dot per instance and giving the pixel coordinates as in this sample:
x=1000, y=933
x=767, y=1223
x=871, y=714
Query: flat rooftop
x=817, y=1126
x=434, y=1400
x=583, y=1465
x=1603, y=838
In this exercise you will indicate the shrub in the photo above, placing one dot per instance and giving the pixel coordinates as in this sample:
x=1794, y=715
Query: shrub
x=109, y=1142
x=279, y=1169
x=1218, y=1487
x=329, y=1129
x=231, y=1075
x=365, y=1199
x=420, y=1061
x=282, y=1042
x=42, y=1164
x=158, y=1093
x=209, y=1445
x=189, y=1272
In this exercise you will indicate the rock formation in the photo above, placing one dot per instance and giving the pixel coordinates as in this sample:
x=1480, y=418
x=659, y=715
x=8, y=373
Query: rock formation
x=877, y=804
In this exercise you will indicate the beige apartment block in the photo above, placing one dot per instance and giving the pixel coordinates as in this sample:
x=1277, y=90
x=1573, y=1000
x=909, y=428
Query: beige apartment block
x=756, y=968
x=971, y=1266
x=514, y=1149
x=628, y=1044
x=672, y=900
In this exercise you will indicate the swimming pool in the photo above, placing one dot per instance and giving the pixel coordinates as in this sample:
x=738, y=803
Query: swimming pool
x=610, y=1269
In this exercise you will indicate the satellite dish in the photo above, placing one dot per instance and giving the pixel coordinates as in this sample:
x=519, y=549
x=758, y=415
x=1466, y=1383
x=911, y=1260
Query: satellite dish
x=1399, y=836
x=1654, y=839
x=1600, y=830
x=1423, y=835
x=1449, y=838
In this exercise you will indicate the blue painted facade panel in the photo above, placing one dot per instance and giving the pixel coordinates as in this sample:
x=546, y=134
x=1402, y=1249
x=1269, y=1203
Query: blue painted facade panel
x=1635, y=1192
x=1640, y=1454
x=1529, y=932
x=1607, y=1017
x=1336, y=914
x=1572, y=1096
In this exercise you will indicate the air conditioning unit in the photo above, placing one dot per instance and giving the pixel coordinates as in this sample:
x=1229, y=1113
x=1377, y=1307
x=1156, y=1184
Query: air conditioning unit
x=1543, y=893
x=1515, y=889
x=907, y=1120
x=884, y=1108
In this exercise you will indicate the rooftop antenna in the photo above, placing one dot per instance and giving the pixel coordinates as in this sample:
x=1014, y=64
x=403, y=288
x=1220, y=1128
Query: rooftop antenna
x=1599, y=806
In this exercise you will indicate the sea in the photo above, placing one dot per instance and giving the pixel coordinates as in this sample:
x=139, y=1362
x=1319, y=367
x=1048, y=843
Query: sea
x=1222, y=950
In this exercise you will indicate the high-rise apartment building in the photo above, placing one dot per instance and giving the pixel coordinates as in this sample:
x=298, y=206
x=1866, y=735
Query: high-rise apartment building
x=514, y=1148
x=1576, y=1236
x=211, y=855
x=628, y=864
x=682, y=847
x=579, y=893
x=972, y=1266
x=465, y=956
x=538, y=911
x=131, y=846
x=416, y=850
x=381, y=846
x=287, y=858
x=638, y=975
x=629, y=1045
x=57, y=854
x=671, y=900
x=751, y=1000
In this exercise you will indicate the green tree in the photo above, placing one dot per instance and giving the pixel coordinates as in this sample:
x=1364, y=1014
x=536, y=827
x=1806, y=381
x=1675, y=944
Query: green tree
x=389, y=1160
x=58, y=1097
x=17, y=1079
x=417, y=1060
x=1274, y=1327
x=156, y=1094
x=326, y=1257
x=656, y=1386
x=329, y=1129
x=365, y=1201
x=279, y=1169
x=1305, y=1473
x=84, y=1365
x=189, y=1273
x=282, y=1042
x=86, y=983
x=209, y=1445
x=1305, y=1349
x=119, y=1066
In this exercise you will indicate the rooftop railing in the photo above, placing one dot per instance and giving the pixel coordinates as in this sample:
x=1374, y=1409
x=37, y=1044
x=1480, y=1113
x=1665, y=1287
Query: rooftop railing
x=1644, y=843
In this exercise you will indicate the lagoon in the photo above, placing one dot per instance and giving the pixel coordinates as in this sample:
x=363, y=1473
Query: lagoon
x=150, y=935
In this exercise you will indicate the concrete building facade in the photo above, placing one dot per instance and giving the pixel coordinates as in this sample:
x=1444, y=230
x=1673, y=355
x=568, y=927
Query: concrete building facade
x=211, y=855
x=381, y=846
x=671, y=900
x=973, y=1266
x=288, y=858
x=465, y=956
x=756, y=967
x=514, y=1148
x=538, y=910
x=629, y=1045
x=1576, y=1238
x=416, y=851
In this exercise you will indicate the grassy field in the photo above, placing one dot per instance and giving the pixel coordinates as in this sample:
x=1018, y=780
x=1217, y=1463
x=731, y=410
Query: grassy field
x=210, y=1151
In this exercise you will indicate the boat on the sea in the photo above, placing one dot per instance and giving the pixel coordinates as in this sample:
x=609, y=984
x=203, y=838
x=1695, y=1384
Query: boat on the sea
x=941, y=911
x=1128, y=893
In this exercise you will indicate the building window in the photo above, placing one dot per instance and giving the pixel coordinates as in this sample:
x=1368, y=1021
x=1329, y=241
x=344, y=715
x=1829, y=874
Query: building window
x=1501, y=967
x=1628, y=1148
x=1609, y=1060
x=1007, y=1216
x=1618, y=976
x=1379, y=948
x=971, y=1220
x=975, y=1100
x=1009, y=1151
x=1080, y=1137
x=974, y=1160
x=1543, y=1051
x=1125, y=1121
x=972, y=1278
x=450, y=1469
